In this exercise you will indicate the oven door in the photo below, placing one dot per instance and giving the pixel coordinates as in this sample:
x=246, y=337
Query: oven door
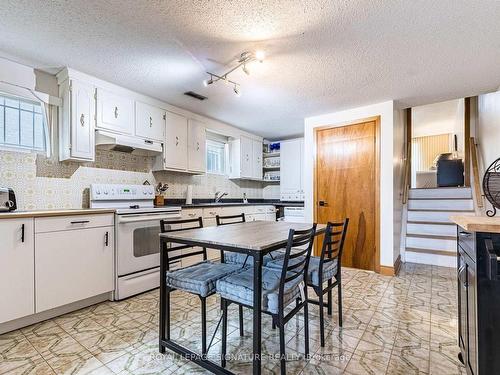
x=138, y=241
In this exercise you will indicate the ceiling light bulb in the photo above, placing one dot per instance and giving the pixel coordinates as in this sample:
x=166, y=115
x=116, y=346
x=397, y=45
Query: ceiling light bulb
x=260, y=55
x=245, y=69
x=236, y=91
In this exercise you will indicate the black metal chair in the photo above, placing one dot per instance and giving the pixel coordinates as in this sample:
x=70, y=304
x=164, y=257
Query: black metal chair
x=327, y=267
x=280, y=289
x=199, y=278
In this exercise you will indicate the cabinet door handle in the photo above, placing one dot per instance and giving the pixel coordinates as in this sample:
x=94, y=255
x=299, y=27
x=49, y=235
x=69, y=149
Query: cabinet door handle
x=82, y=120
x=197, y=146
x=323, y=203
x=177, y=141
x=106, y=239
x=464, y=234
x=22, y=233
x=116, y=112
x=80, y=222
x=150, y=122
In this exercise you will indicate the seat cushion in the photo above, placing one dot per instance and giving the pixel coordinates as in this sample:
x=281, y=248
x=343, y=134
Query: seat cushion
x=238, y=287
x=200, y=278
x=329, y=269
x=239, y=258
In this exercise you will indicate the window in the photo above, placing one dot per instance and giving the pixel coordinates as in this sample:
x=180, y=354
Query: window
x=22, y=124
x=216, y=157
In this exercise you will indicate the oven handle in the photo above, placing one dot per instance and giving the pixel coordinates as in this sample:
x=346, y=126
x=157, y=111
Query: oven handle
x=142, y=218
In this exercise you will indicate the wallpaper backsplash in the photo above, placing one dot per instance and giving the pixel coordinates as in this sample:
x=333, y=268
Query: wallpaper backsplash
x=45, y=183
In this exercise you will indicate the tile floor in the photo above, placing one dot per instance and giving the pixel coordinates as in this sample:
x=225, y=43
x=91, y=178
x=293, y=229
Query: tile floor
x=392, y=325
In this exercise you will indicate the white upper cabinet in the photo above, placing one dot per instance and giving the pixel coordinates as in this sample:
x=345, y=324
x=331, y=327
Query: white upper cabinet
x=149, y=122
x=197, y=146
x=291, y=170
x=246, y=158
x=17, y=281
x=257, y=160
x=176, y=142
x=77, y=121
x=114, y=112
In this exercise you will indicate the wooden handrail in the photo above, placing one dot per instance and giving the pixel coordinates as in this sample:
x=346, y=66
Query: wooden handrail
x=475, y=173
x=406, y=176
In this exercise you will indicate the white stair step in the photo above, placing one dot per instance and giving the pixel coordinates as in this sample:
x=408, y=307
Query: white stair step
x=433, y=259
x=450, y=193
x=435, y=216
x=441, y=243
x=431, y=229
x=441, y=204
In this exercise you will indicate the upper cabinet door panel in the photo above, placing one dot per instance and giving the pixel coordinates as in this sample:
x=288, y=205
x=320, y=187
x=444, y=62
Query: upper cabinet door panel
x=291, y=165
x=246, y=157
x=82, y=120
x=149, y=122
x=114, y=112
x=197, y=146
x=176, y=148
x=257, y=159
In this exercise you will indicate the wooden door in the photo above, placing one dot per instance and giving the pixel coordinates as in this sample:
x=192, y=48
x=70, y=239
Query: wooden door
x=346, y=186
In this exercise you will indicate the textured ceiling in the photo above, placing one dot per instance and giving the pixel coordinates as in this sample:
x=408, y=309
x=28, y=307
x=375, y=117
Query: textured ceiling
x=322, y=56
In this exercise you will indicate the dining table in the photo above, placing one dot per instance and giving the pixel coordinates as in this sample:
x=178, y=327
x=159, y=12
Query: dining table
x=254, y=238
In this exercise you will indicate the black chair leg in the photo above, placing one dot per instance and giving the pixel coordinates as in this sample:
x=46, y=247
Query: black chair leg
x=306, y=328
x=274, y=324
x=203, y=301
x=281, y=328
x=339, y=290
x=164, y=316
x=329, y=307
x=224, y=333
x=321, y=318
x=240, y=308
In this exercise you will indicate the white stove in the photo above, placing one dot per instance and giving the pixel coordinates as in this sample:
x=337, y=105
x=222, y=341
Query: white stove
x=137, y=228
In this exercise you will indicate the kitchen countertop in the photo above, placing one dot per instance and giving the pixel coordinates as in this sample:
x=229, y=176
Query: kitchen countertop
x=478, y=223
x=233, y=202
x=58, y=212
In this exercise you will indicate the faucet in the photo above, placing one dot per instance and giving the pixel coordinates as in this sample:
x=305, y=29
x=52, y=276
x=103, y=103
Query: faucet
x=218, y=196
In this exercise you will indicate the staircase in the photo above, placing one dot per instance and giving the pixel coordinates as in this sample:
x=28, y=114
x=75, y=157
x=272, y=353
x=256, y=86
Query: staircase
x=430, y=235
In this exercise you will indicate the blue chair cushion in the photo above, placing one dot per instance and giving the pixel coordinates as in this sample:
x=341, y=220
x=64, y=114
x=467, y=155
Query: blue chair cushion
x=200, y=278
x=329, y=269
x=238, y=258
x=238, y=287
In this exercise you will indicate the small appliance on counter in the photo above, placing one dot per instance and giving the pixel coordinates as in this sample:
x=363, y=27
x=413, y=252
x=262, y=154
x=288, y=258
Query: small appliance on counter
x=7, y=200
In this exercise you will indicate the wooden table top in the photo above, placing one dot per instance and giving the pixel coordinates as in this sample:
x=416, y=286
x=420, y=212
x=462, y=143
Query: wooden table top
x=477, y=223
x=253, y=235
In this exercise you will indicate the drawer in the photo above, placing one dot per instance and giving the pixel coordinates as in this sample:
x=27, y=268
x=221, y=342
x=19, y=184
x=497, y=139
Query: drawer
x=467, y=241
x=212, y=212
x=236, y=210
x=59, y=223
x=192, y=213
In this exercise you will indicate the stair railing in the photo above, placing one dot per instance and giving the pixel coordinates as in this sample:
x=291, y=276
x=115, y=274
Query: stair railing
x=475, y=173
x=406, y=175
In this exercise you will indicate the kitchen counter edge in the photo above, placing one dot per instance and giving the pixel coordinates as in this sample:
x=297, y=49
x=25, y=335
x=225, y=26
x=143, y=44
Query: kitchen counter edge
x=477, y=223
x=51, y=213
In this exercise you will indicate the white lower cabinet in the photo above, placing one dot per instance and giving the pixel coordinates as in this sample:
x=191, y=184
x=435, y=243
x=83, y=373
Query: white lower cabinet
x=72, y=265
x=16, y=269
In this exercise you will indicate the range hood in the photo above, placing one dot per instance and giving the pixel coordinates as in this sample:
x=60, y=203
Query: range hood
x=125, y=143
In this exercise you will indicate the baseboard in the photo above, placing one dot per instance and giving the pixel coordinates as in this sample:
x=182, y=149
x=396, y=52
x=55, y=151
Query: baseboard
x=52, y=313
x=391, y=270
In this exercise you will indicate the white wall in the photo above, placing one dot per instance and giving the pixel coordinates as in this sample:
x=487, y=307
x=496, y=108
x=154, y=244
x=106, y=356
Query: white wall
x=399, y=154
x=386, y=112
x=440, y=118
x=488, y=127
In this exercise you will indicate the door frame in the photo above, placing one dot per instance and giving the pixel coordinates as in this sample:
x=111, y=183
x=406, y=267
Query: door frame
x=316, y=130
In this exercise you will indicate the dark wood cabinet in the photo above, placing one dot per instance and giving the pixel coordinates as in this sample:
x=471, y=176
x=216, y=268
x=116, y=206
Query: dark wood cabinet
x=479, y=301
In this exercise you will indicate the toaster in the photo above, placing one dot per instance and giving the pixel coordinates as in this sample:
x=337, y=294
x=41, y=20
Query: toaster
x=7, y=199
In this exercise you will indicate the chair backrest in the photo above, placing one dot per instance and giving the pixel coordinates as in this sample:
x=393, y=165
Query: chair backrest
x=333, y=244
x=231, y=219
x=173, y=252
x=296, y=264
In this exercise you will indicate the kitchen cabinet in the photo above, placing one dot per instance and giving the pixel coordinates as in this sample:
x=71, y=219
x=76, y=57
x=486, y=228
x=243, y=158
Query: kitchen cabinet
x=114, y=112
x=76, y=121
x=149, y=122
x=478, y=277
x=176, y=143
x=246, y=159
x=73, y=259
x=196, y=146
x=16, y=269
x=291, y=170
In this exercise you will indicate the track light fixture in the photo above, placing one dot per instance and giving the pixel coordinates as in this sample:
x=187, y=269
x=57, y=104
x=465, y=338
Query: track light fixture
x=242, y=61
